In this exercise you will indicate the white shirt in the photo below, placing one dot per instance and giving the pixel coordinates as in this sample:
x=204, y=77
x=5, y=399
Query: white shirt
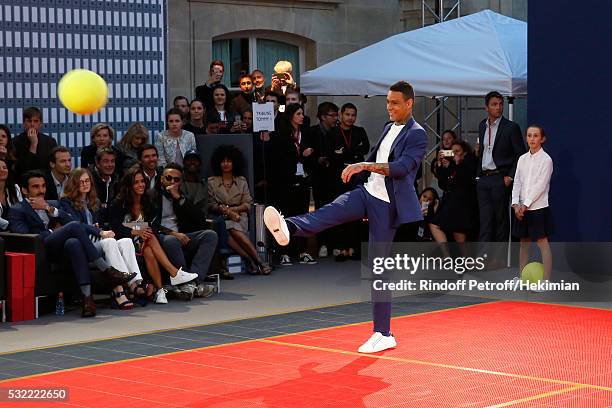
x=487, y=146
x=376, y=182
x=59, y=185
x=532, y=180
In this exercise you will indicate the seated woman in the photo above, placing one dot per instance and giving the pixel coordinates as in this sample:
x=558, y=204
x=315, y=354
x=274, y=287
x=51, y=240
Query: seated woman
x=228, y=195
x=7, y=149
x=135, y=136
x=172, y=144
x=102, y=135
x=458, y=212
x=80, y=201
x=9, y=192
x=133, y=206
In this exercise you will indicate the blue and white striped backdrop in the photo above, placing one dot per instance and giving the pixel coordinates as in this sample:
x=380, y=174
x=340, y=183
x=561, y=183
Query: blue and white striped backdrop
x=123, y=41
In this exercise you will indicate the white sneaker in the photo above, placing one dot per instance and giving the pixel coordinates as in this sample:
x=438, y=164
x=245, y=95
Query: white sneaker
x=160, y=296
x=377, y=342
x=285, y=260
x=323, y=251
x=276, y=225
x=306, y=259
x=182, y=277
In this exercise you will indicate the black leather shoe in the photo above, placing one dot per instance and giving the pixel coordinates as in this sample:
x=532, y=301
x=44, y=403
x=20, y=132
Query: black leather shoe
x=89, y=307
x=117, y=278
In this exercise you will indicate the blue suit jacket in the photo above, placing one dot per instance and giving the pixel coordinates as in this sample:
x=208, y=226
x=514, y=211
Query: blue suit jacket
x=24, y=220
x=80, y=216
x=404, y=159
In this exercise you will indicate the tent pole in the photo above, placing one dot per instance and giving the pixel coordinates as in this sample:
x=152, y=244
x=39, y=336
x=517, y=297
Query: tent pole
x=511, y=117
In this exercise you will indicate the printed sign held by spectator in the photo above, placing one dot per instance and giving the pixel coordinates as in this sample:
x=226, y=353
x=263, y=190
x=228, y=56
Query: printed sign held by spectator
x=263, y=117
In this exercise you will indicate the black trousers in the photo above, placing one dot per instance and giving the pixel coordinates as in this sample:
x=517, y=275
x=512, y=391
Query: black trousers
x=493, y=206
x=294, y=199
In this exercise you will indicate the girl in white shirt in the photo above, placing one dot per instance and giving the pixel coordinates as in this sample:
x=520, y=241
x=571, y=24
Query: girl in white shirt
x=530, y=199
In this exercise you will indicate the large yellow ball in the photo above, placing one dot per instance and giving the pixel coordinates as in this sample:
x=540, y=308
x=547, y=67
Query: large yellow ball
x=533, y=272
x=82, y=91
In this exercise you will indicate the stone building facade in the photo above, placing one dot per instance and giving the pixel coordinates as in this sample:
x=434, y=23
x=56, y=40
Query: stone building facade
x=314, y=31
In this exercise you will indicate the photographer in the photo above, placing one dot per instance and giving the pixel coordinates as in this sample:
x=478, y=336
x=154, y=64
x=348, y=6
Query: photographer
x=215, y=76
x=444, y=158
x=282, y=80
x=458, y=209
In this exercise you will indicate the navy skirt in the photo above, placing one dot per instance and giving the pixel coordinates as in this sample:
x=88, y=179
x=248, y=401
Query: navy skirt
x=535, y=224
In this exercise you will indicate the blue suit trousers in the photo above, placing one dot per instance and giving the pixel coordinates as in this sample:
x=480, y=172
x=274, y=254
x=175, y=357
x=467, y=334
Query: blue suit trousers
x=351, y=206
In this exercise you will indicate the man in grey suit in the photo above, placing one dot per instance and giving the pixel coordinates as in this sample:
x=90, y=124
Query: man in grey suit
x=501, y=144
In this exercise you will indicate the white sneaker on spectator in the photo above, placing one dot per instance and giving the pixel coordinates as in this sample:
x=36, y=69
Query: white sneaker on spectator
x=160, y=296
x=285, y=260
x=306, y=259
x=323, y=251
x=182, y=277
x=377, y=342
x=276, y=224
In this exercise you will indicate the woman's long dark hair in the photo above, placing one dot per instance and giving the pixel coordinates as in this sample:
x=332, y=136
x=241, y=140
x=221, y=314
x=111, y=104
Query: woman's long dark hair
x=10, y=148
x=285, y=128
x=126, y=190
x=227, y=98
x=9, y=186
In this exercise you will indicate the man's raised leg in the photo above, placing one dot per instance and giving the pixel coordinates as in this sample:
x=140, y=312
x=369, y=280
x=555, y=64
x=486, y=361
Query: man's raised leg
x=349, y=206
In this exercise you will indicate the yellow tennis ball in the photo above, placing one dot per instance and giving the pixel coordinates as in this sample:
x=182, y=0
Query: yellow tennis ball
x=533, y=272
x=82, y=91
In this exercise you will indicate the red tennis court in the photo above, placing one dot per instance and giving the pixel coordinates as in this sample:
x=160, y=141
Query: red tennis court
x=497, y=354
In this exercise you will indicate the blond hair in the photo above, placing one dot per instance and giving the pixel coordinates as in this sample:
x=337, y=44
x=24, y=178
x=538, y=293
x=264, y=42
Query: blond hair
x=101, y=126
x=283, y=67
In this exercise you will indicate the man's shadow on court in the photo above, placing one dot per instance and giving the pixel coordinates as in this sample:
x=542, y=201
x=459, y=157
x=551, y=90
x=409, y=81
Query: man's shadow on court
x=345, y=386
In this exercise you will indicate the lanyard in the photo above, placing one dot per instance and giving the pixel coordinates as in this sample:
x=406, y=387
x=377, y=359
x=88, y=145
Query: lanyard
x=297, y=138
x=347, y=141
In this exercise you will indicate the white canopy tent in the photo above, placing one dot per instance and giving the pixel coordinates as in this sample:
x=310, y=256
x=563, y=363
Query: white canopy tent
x=467, y=56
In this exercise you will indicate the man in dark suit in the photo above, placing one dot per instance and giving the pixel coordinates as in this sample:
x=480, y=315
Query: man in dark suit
x=63, y=238
x=387, y=198
x=105, y=180
x=32, y=147
x=149, y=159
x=60, y=164
x=318, y=145
x=501, y=144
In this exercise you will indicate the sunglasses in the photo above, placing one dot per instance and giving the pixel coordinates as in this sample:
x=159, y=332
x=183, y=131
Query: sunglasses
x=175, y=179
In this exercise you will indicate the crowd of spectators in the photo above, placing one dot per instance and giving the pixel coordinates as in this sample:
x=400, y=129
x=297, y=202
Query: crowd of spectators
x=142, y=214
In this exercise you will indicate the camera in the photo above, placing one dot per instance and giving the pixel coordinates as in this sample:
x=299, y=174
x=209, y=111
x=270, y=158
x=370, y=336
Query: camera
x=447, y=153
x=281, y=77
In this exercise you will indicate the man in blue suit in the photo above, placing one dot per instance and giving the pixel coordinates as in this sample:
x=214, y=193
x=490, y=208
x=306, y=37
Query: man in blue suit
x=387, y=197
x=63, y=238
